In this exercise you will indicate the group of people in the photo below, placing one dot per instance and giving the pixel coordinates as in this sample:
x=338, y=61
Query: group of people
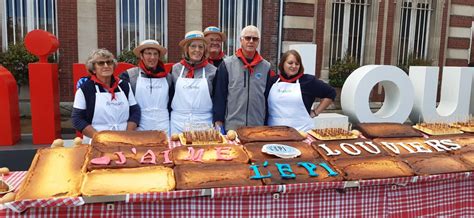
x=205, y=88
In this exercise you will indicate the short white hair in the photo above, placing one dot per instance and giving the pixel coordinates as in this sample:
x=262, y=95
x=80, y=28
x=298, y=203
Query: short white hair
x=250, y=28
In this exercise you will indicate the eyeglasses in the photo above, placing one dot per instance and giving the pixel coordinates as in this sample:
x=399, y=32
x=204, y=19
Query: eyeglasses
x=151, y=54
x=253, y=38
x=102, y=63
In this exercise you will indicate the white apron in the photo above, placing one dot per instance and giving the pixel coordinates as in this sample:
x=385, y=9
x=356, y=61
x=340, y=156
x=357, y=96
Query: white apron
x=286, y=107
x=152, y=96
x=109, y=114
x=191, y=103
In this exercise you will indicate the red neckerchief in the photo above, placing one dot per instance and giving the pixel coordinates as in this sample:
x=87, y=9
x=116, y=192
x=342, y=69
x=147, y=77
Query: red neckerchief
x=158, y=72
x=111, y=90
x=290, y=80
x=219, y=57
x=191, y=69
x=256, y=60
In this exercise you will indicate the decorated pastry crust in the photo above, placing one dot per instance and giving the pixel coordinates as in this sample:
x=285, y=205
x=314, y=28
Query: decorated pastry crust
x=268, y=134
x=131, y=180
x=54, y=172
x=130, y=138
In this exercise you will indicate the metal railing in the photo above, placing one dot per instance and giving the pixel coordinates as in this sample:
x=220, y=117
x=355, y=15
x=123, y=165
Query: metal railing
x=22, y=16
x=138, y=20
x=414, y=30
x=235, y=15
x=348, y=29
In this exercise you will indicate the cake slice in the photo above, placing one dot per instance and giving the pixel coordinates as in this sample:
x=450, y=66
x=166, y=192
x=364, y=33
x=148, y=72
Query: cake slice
x=130, y=138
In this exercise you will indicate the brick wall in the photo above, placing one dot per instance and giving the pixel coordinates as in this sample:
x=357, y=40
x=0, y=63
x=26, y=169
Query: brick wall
x=176, y=28
x=68, y=54
x=389, y=35
x=380, y=25
x=455, y=42
x=210, y=13
x=106, y=25
x=269, y=31
x=319, y=34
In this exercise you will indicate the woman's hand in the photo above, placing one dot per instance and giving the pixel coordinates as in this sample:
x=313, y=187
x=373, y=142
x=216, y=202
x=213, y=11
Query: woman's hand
x=313, y=114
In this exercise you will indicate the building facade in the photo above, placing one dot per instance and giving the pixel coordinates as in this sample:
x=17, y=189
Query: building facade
x=372, y=31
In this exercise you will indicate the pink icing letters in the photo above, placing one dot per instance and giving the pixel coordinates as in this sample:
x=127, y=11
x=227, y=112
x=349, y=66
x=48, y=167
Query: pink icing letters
x=195, y=156
x=148, y=158
x=134, y=150
x=223, y=151
x=104, y=160
x=166, y=155
x=121, y=157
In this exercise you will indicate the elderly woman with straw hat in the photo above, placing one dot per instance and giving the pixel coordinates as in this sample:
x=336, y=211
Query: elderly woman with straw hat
x=193, y=81
x=150, y=82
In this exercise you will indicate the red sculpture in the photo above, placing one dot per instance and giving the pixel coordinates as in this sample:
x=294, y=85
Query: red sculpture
x=9, y=109
x=44, y=87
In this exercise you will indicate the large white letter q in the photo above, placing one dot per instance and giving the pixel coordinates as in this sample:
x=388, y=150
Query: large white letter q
x=398, y=94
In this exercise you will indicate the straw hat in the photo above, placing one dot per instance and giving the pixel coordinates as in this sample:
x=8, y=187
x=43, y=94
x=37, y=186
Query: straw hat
x=193, y=35
x=149, y=43
x=216, y=30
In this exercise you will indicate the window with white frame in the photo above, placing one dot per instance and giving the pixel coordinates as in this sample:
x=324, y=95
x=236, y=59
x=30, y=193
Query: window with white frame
x=22, y=16
x=139, y=20
x=348, y=29
x=414, y=30
x=235, y=15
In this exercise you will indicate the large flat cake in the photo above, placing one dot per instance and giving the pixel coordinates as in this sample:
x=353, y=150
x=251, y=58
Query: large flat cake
x=387, y=130
x=404, y=146
x=199, y=176
x=209, y=154
x=133, y=157
x=332, y=150
x=300, y=170
x=130, y=138
x=468, y=158
x=54, y=172
x=254, y=150
x=465, y=141
x=435, y=164
x=268, y=134
x=130, y=180
x=372, y=168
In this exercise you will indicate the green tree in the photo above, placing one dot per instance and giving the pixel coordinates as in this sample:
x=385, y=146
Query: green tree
x=16, y=60
x=340, y=70
x=128, y=57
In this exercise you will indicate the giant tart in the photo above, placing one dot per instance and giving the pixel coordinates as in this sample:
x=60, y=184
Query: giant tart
x=372, y=168
x=254, y=150
x=128, y=180
x=268, y=134
x=435, y=164
x=301, y=174
x=132, y=159
x=54, y=172
x=229, y=154
x=335, y=147
x=387, y=130
x=199, y=176
x=130, y=138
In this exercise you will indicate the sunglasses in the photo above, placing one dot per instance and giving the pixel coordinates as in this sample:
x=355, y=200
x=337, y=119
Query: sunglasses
x=253, y=38
x=102, y=63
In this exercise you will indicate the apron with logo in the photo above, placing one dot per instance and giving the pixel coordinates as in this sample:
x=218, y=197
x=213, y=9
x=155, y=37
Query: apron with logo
x=152, y=96
x=286, y=107
x=191, y=103
x=109, y=114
